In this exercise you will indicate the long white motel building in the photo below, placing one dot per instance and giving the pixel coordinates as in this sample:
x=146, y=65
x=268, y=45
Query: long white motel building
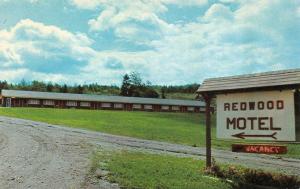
x=18, y=98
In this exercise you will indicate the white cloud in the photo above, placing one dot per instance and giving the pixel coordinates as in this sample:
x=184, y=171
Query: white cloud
x=86, y=4
x=218, y=12
x=186, y=3
x=137, y=20
x=30, y=1
x=37, y=38
x=253, y=36
x=35, y=30
x=153, y=4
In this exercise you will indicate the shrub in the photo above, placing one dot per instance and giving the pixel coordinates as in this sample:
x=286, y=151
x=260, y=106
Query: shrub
x=252, y=178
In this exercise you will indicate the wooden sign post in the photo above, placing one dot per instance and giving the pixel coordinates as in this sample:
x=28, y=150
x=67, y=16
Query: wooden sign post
x=207, y=99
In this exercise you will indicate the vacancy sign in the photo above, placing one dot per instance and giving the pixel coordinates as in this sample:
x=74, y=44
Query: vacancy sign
x=256, y=116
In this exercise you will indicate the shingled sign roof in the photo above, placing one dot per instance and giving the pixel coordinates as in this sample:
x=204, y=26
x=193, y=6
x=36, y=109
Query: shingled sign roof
x=286, y=79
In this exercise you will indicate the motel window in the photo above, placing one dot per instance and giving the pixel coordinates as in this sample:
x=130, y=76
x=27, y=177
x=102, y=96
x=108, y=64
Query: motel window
x=148, y=107
x=118, y=106
x=105, y=105
x=137, y=106
x=34, y=101
x=191, y=109
x=71, y=103
x=165, y=107
x=85, y=104
x=175, y=108
x=48, y=102
x=202, y=109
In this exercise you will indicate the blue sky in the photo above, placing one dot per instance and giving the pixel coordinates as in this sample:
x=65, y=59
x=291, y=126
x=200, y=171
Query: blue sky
x=167, y=41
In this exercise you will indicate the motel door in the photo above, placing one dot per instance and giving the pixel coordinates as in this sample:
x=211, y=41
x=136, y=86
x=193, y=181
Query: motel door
x=8, y=102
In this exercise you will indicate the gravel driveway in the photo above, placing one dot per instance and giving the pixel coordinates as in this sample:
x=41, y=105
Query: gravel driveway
x=40, y=155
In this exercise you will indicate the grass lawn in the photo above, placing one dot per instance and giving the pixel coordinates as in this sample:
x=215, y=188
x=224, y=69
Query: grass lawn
x=139, y=170
x=181, y=128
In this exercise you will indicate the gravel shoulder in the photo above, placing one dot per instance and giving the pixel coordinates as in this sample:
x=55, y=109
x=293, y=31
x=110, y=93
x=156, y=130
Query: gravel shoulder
x=41, y=155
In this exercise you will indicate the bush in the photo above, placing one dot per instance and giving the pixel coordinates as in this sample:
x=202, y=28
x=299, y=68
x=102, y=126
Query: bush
x=252, y=178
x=263, y=178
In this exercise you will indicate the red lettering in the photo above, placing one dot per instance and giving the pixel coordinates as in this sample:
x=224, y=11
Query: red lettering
x=260, y=148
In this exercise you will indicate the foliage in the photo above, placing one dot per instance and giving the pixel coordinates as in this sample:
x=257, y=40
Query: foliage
x=133, y=85
x=63, y=88
x=177, y=91
x=190, y=88
x=252, y=178
x=162, y=90
x=125, y=88
x=143, y=170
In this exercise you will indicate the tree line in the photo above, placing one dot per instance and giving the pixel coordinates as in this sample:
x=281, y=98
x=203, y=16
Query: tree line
x=132, y=86
x=41, y=86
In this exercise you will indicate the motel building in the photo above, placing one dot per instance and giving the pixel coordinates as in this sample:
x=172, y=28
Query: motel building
x=18, y=98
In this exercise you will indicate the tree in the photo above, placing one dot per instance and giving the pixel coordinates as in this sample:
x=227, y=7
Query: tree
x=64, y=89
x=38, y=86
x=79, y=89
x=137, y=87
x=49, y=87
x=135, y=79
x=150, y=93
x=3, y=85
x=22, y=85
x=126, y=86
x=133, y=85
x=162, y=90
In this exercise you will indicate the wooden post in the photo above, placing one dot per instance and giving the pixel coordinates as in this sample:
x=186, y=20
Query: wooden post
x=207, y=99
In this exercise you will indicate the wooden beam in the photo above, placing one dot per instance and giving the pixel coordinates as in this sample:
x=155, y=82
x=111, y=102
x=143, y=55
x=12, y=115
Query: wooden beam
x=207, y=99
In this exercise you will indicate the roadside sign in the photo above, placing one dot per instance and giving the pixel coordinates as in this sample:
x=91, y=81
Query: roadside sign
x=256, y=116
x=259, y=148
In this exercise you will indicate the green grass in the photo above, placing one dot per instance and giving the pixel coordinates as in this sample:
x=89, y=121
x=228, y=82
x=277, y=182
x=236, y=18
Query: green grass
x=173, y=127
x=140, y=170
x=181, y=128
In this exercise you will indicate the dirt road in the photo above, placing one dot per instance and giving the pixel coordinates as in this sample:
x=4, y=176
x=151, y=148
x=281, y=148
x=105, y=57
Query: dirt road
x=40, y=155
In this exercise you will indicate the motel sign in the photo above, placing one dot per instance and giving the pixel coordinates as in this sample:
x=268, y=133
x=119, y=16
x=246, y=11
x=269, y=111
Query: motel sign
x=256, y=116
x=262, y=106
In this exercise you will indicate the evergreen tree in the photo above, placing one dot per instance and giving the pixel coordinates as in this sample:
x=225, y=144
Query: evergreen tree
x=49, y=87
x=79, y=89
x=162, y=92
x=64, y=89
x=3, y=85
x=126, y=86
x=38, y=86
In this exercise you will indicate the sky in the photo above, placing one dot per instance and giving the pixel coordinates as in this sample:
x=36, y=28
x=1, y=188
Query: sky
x=169, y=42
